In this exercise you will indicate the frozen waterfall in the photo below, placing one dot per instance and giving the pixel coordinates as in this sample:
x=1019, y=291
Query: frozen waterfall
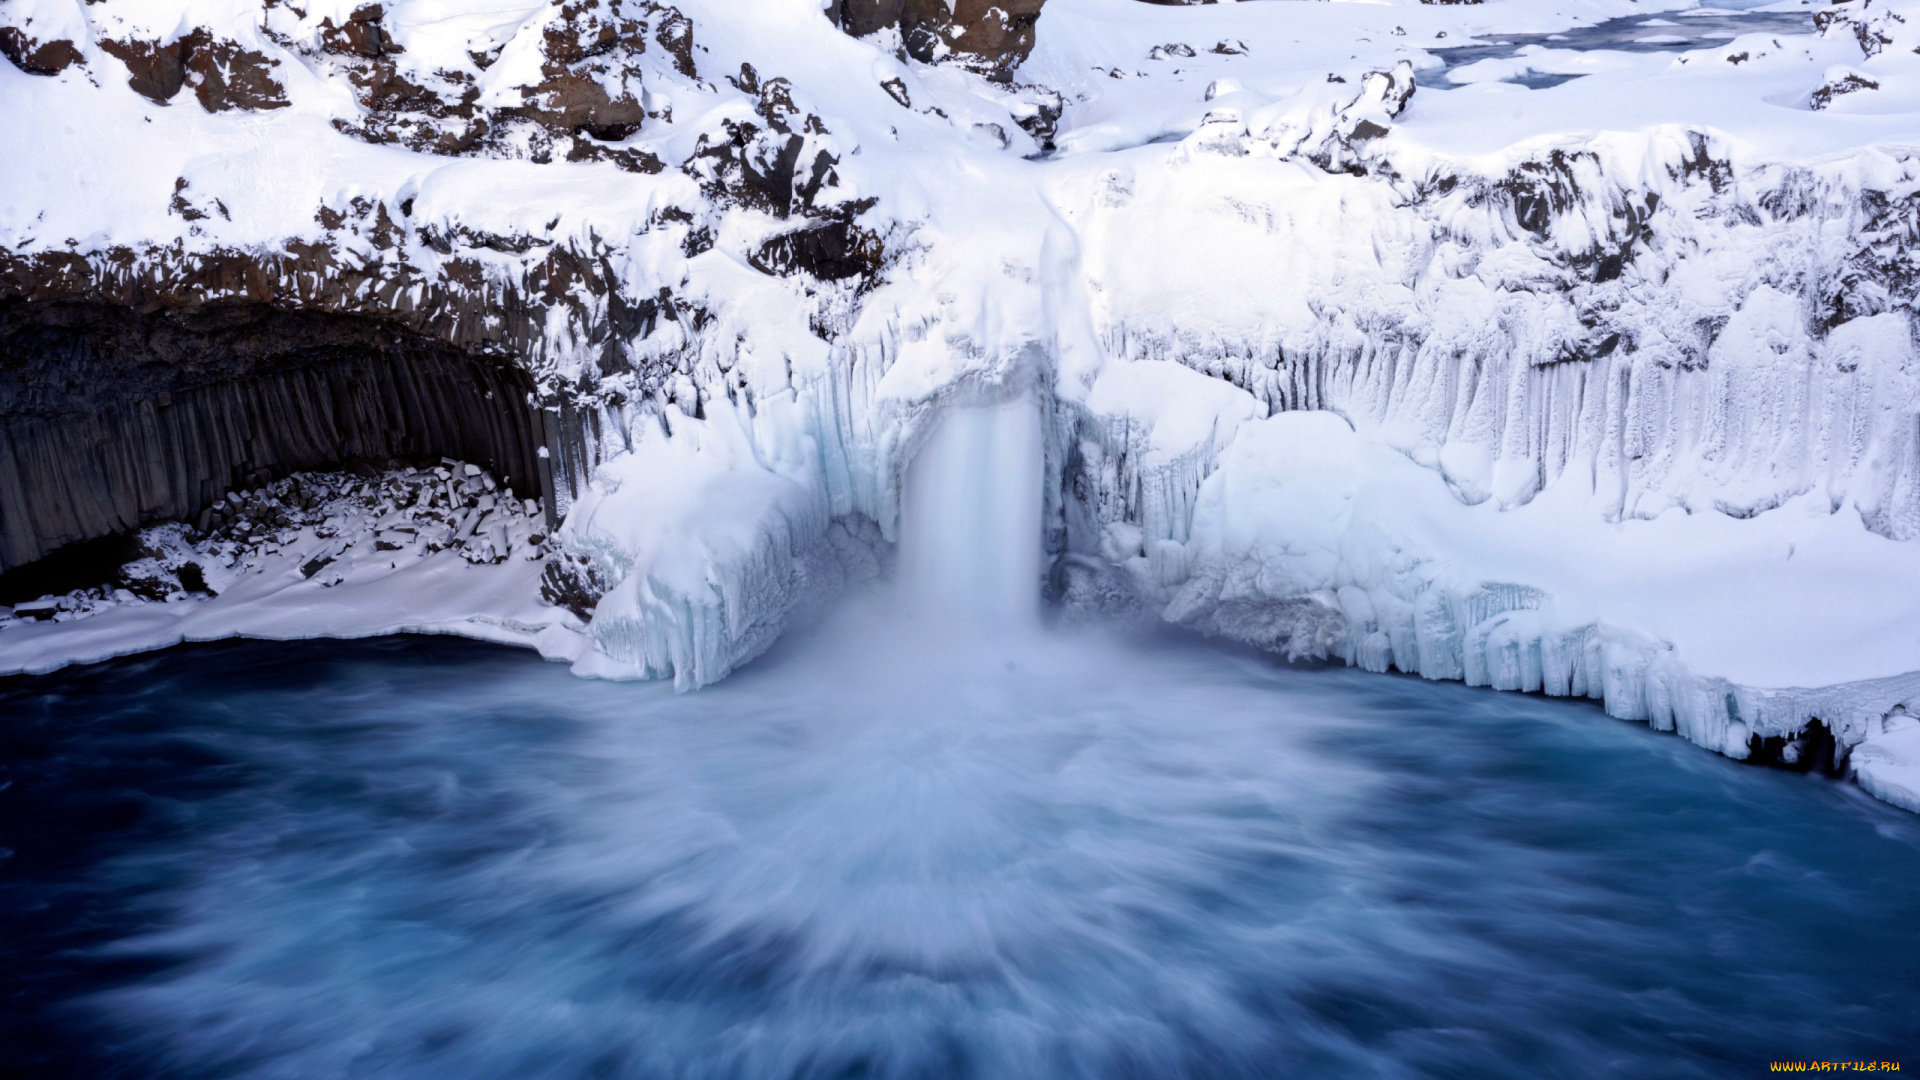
x=970, y=530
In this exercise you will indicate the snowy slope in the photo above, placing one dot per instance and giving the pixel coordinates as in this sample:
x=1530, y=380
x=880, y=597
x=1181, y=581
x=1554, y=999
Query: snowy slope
x=1607, y=387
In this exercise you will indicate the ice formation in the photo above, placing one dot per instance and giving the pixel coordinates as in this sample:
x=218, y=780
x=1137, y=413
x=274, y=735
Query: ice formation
x=1587, y=369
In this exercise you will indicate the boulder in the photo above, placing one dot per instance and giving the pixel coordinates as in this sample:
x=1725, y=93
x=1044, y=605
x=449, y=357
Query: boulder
x=37, y=57
x=989, y=36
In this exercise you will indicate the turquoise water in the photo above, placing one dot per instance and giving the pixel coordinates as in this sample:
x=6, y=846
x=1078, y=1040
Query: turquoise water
x=1038, y=856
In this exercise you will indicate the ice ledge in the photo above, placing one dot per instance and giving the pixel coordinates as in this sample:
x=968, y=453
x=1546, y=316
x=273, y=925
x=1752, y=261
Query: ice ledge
x=1888, y=765
x=1314, y=540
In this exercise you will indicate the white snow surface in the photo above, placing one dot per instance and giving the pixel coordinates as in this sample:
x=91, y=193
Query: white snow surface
x=1607, y=389
x=1888, y=764
x=372, y=558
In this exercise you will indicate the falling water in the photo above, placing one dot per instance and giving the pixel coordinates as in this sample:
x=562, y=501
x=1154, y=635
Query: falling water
x=970, y=536
x=945, y=845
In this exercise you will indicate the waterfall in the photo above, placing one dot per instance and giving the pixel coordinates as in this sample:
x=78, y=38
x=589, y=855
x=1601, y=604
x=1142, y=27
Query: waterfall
x=970, y=534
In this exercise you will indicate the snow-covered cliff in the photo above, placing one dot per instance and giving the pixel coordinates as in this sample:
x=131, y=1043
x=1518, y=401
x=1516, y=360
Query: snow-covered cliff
x=1564, y=347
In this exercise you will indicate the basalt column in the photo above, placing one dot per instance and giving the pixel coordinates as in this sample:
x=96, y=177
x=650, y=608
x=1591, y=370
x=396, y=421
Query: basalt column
x=111, y=418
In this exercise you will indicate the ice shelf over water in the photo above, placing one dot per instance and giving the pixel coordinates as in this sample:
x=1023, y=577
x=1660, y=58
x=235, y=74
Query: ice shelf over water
x=1604, y=388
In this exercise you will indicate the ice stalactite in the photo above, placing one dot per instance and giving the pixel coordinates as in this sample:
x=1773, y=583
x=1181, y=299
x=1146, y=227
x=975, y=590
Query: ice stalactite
x=1314, y=540
x=1656, y=332
x=1634, y=360
x=706, y=525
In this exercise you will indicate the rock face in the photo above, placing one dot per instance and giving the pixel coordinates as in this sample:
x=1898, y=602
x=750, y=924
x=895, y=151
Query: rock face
x=593, y=61
x=991, y=36
x=111, y=418
x=36, y=57
x=223, y=74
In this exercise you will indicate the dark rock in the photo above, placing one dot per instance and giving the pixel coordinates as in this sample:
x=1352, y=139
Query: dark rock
x=223, y=74
x=574, y=583
x=37, y=57
x=1848, y=83
x=1367, y=129
x=862, y=17
x=111, y=418
x=193, y=579
x=594, y=60
x=580, y=103
x=361, y=36
x=832, y=251
x=1872, y=31
x=754, y=166
x=75, y=566
x=1044, y=119
x=591, y=77
x=1813, y=750
x=154, y=70
x=989, y=36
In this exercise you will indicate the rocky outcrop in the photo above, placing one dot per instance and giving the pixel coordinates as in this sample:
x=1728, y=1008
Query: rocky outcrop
x=36, y=57
x=111, y=417
x=990, y=36
x=394, y=298
x=595, y=61
x=360, y=35
x=223, y=74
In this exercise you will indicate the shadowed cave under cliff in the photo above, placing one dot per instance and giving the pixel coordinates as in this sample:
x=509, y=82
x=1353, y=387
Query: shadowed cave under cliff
x=112, y=418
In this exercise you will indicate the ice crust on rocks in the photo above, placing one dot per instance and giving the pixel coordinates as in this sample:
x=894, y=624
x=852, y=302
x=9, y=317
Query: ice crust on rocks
x=440, y=550
x=1314, y=540
x=1606, y=389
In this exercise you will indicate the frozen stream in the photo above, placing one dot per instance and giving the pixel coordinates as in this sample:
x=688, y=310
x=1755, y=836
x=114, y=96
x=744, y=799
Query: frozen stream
x=1673, y=33
x=872, y=854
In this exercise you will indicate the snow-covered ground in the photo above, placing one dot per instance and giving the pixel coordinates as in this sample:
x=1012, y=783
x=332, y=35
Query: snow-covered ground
x=335, y=555
x=1603, y=387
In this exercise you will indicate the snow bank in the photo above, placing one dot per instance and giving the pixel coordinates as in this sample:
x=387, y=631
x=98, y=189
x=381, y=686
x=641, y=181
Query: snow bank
x=1314, y=540
x=442, y=551
x=1888, y=764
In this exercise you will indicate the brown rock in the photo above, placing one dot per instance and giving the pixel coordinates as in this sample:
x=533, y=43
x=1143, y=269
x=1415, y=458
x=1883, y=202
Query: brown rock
x=998, y=32
x=155, y=71
x=37, y=57
x=990, y=36
x=223, y=74
x=862, y=17
x=361, y=36
x=578, y=103
x=592, y=75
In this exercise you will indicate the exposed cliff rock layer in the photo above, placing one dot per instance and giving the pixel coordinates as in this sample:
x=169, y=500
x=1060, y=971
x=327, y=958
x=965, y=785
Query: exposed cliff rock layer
x=112, y=417
x=992, y=36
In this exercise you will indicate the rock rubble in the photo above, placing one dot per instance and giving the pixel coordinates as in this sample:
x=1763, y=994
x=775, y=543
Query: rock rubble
x=321, y=526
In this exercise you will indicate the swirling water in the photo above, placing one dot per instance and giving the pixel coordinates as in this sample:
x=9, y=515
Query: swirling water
x=868, y=856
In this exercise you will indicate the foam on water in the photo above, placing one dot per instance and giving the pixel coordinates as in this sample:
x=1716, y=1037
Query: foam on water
x=1034, y=857
x=944, y=844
